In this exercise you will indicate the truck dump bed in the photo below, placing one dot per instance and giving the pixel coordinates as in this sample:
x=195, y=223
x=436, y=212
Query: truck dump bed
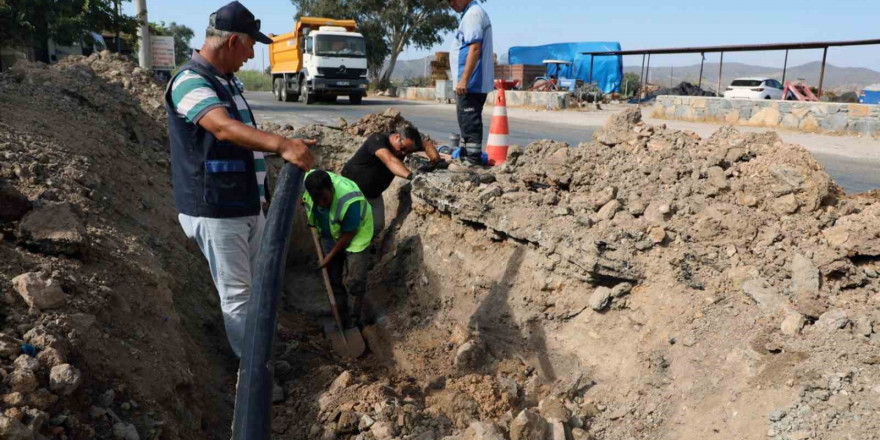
x=285, y=52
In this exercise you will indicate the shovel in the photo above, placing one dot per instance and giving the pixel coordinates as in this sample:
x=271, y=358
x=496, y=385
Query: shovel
x=348, y=343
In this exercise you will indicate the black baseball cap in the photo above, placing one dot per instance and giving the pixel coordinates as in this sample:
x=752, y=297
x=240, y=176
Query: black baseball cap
x=234, y=17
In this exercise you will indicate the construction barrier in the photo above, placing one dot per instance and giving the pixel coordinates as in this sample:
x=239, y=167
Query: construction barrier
x=496, y=147
x=252, y=419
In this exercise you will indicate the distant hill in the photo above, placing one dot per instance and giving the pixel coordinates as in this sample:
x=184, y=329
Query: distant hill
x=838, y=79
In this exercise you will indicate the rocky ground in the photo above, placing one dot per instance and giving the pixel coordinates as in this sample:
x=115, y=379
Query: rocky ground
x=645, y=284
x=106, y=311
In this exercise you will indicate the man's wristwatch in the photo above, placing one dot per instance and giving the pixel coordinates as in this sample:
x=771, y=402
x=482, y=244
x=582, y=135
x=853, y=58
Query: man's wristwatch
x=410, y=176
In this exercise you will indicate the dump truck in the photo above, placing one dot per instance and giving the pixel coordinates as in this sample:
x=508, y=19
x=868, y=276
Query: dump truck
x=321, y=59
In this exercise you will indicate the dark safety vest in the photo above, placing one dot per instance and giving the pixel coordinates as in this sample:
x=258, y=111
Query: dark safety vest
x=210, y=178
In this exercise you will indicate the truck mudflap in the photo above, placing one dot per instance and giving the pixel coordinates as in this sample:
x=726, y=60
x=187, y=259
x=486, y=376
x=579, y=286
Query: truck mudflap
x=340, y=86
x=252, y=419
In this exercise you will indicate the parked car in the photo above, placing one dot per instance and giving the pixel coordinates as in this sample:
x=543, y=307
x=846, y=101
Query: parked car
x=238, y=84
x=754, y=88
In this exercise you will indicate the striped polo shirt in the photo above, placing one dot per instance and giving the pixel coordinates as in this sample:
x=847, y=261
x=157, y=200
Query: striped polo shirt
x=192, y=97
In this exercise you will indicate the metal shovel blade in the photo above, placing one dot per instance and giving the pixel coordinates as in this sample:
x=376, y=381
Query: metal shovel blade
x=348, y=344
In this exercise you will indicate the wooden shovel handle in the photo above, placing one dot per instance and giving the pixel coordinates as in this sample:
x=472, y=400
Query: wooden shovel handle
x=327, y=283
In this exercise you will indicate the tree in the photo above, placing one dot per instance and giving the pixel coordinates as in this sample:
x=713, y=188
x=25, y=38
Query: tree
x=32, y=23
x=420, y=23
x=388, y=26
x=182, y=34
x=631, y=83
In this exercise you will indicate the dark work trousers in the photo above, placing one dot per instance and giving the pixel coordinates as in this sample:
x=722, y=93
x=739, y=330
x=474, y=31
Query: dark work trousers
x=469, y=108
x=348, y=277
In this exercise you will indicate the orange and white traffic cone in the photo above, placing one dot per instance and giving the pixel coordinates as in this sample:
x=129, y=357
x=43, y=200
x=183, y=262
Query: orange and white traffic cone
x=496, y=147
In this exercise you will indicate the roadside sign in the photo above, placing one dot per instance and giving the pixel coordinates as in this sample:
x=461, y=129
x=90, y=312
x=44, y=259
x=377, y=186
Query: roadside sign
x=163, y=52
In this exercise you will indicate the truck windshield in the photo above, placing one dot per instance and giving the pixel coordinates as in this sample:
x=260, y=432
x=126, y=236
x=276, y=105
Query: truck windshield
x=340, y=46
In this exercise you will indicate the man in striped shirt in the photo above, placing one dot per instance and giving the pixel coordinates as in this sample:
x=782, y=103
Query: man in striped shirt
x=217, y=164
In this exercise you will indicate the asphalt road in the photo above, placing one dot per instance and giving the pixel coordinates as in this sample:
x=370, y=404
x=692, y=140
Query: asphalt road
x=853, y=172
x=438, y=121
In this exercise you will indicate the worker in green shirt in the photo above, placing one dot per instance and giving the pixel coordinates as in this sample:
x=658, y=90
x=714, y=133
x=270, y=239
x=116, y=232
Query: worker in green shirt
x=338, y=209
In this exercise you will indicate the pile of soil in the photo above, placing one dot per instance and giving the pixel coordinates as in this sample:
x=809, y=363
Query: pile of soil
x=109, y=320
x=648, y=284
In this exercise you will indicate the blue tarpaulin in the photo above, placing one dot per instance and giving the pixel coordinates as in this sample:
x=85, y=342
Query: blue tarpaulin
x=607, y=70
x=870, y=95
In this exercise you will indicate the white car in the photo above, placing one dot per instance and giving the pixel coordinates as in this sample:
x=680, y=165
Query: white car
x=754, y=88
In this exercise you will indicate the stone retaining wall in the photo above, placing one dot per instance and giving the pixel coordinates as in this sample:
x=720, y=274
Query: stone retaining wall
x=807, y=116
x=515, y=98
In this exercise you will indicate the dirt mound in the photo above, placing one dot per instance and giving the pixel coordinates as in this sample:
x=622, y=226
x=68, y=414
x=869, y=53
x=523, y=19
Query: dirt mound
x=107, y=314
x=384, y=122
x=119, y=70
x=647, y=284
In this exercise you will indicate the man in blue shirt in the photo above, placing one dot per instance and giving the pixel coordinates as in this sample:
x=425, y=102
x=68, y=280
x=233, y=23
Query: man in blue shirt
x=473, y=72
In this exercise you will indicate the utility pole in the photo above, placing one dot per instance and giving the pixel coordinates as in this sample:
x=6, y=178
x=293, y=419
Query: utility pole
x=145, y=56
x=118, y=37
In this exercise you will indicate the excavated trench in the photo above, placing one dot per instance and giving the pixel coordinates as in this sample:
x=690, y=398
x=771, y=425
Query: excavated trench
x=594, y=292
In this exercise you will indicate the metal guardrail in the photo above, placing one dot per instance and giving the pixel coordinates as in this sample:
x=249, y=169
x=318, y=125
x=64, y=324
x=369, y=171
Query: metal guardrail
x=824, y=45
x=253, y=398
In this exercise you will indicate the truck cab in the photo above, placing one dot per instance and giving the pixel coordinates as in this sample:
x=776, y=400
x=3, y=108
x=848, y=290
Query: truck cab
x=320, y=60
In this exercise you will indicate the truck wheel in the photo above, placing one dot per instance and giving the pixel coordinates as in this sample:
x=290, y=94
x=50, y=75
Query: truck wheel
x=276, y=88
x=355, y=99
x=305, y=95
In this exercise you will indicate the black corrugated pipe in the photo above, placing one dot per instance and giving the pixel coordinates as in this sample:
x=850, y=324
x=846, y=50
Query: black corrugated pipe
x=253, y=397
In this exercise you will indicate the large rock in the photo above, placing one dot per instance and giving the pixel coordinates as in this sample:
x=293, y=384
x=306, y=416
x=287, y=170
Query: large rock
x=765, y=296
x=553, y=408
x=528, y=425
x=804, y=276
x=64, y=379
x=41, y=338
x=51, y=357
x=600, y=298
x=608, y=210
x=39, y=291
x=9, y=346
x=793, y=323
x=383, y=430
x=12, y=429
x=482, y=431
x=13, y=204
x=125, y=431
x=25, y=361
x=832, y=320
x=557, y=430
x=54, y=229
x=22, y=380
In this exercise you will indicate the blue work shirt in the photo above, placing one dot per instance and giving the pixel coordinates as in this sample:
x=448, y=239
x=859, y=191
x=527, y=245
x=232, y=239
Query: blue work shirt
x=474, y=27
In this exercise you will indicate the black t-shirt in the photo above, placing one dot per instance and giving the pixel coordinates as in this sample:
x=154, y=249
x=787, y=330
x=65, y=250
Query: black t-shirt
x=368, y=171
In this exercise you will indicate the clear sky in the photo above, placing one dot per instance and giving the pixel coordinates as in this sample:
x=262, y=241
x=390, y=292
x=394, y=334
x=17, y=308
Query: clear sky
x=636, y=24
